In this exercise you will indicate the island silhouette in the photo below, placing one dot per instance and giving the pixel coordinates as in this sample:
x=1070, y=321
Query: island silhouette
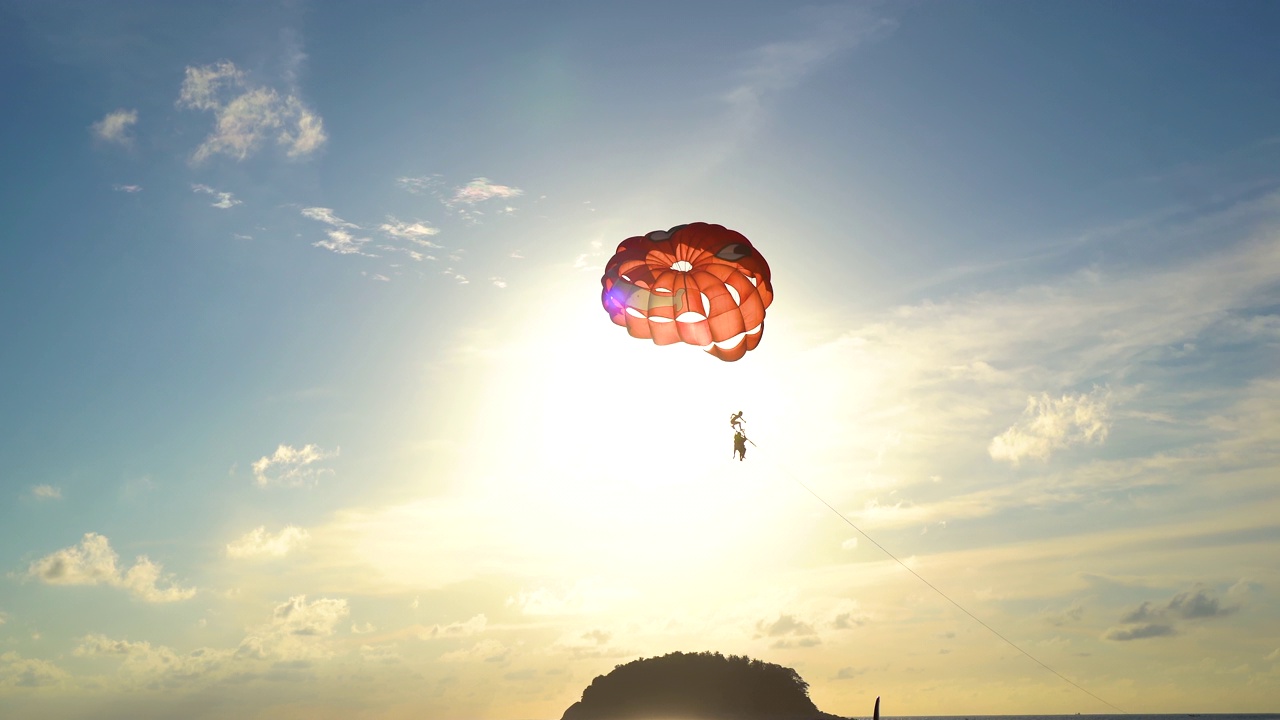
x=697, y=686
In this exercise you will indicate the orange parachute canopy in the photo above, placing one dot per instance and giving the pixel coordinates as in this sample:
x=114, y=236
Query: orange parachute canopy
x=700, y=284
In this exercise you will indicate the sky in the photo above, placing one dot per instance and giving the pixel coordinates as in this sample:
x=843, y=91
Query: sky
x=309, y=406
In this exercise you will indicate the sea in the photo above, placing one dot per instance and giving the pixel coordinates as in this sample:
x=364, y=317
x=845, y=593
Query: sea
x=1078, y=716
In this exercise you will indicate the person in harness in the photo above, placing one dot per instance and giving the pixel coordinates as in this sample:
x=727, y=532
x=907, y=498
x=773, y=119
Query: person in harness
x=740, y=445
x=735, y=421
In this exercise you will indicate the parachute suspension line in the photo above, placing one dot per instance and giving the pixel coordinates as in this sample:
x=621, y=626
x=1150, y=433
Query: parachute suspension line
x=953, y=602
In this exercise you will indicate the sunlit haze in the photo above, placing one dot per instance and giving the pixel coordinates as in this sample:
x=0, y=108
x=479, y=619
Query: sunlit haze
x=310, y=407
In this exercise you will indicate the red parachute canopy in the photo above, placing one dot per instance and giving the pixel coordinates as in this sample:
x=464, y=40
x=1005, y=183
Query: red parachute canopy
x=700, y=284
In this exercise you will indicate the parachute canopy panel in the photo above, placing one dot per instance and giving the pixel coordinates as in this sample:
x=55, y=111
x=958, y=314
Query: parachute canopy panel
x=700, y=284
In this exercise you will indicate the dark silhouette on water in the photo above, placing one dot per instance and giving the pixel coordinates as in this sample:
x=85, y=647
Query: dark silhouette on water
x=697, y=686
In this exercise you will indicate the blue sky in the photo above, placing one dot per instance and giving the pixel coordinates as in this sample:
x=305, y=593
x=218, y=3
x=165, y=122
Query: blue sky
x=310, y=407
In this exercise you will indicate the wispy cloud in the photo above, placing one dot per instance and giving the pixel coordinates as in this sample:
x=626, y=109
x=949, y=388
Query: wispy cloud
x=327, y=216
x=480, y=190
x=259, y=543
x=473, y=626
x=1052, y=424
x=343, y=243
x=292, y=467
x=127, y=188
x=93, y=562
x=246, y=114
x=420, y=185
x=340, y=240
x=225, y=200
x=46, y=492
x=416, y=232
x=463, y=200
x=114, y=128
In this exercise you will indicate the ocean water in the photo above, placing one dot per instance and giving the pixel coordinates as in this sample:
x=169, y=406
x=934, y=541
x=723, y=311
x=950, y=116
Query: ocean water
x=1205, y=716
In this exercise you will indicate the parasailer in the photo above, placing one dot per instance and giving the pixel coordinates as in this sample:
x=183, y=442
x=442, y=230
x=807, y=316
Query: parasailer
x=736, y=420
x=740, y=445
x=700, y=284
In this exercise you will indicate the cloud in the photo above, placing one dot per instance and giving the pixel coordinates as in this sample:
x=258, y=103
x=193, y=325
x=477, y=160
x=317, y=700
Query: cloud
x=1053, y=424
x=784, y=625
x=473, y=626
x=297, y=630
x=462, y=200
x=415, y=232
x=260, y=543
x=1149, y=619
x=325, y=215
x=1139, y=632
x=114, y=128
x=480, y=190
x=790, y=631
x=145, y=663
x=340, y=240
x=420, y=185
x=363, y=628
x=343, y=243
x=1071, y=615
x=19, y=672
x=127, y=188
x=490, y=651
x=292, y=467
x=1198, y=602
x=498, y=282
x=246, y=115
x=225, y=199
x=93, y=562
x=46, y=492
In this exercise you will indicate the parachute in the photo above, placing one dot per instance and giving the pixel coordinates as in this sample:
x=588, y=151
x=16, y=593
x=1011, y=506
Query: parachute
x=700, y=284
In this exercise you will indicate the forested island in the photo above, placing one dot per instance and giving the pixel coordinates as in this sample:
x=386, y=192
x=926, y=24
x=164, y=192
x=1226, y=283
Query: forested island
x=697, y=686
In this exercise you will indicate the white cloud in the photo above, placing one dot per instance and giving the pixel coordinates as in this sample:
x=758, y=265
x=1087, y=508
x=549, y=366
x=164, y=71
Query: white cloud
x=93, y=562
x=46, y=492
x=499, y=282
x=1053, y=424
x=416, y=232
x=480, y=190
x=114, y=128
x=225, y=199
x=420, y=185
x=127, y=188
x=326, y=216
x=292, y=467
x=202, y=85
x=343, y=243
x=260, y=543
x=363, y=628
x=246, y=115
x=463, y=199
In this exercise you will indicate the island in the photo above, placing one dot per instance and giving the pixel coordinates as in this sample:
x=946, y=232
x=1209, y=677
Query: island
x=697, y=686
